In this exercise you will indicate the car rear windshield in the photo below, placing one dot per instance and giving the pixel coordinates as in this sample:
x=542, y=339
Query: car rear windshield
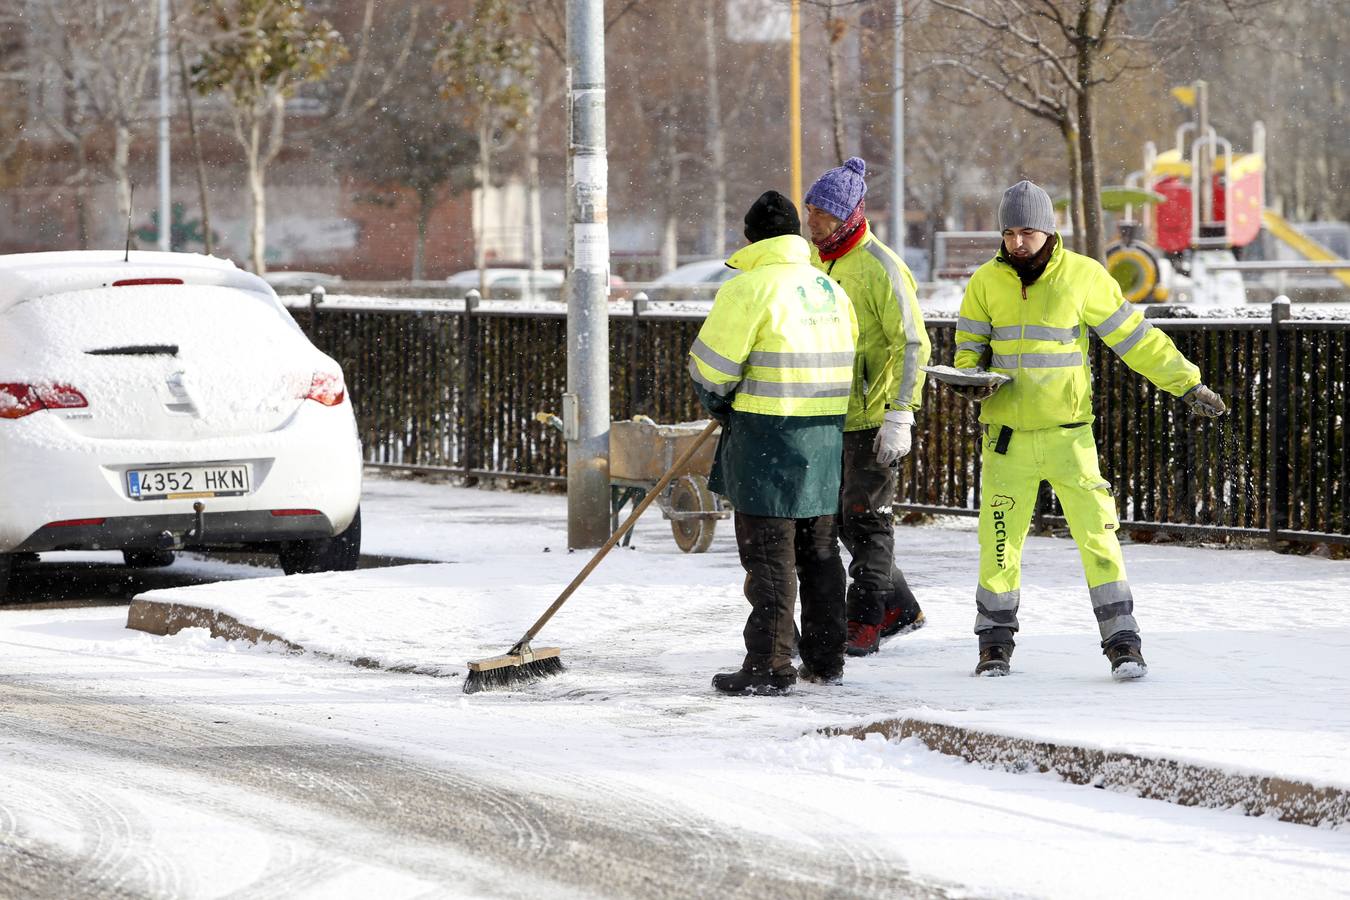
x=191, y=318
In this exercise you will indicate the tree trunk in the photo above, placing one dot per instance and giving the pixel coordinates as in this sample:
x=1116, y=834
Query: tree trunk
x=832, y=68
x=426, y=199
x=533, y=207
x=670, y=232
x=670, y=229
x=195, y=140
x=257, y=229
x=717, y=153
x=1070, y=134
x=1087, y=133
x=82, y=196
x=121, y=174
x=1087, y=148
x=480, y=227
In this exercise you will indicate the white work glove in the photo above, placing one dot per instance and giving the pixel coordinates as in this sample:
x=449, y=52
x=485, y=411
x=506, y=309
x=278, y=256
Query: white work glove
x=893, y=440
x=1204, y=402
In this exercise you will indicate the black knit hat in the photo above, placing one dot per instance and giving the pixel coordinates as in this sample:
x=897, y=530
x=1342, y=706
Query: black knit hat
x=771, y=215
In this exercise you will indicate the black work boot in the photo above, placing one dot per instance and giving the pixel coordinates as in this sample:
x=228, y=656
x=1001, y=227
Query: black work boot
x=762, y=682
x=822, y=672
x=1127, y=662
x=995, y=659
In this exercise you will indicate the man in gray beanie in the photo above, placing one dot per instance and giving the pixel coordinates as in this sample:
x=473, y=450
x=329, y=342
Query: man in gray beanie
x=887, y=387
x=1026, y=314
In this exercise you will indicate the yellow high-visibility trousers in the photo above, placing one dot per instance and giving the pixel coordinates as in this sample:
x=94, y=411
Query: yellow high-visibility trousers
x=1067, y=458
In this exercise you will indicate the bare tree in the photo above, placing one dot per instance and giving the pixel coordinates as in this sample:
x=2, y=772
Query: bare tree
x=257, y=53
x=487, y=63
x=1022, y=74
x=413, y=142
x=1050, y=57
x=547, y=18
x=94, y=56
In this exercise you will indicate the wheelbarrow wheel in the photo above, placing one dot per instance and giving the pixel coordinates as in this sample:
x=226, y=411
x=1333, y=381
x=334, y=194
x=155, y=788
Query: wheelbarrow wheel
x=690, y=494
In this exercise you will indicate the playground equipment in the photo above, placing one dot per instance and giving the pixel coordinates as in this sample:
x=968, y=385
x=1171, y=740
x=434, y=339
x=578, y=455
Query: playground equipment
x=1199, y=203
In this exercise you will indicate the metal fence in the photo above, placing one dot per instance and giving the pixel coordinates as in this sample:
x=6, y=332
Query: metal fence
x=459, y=389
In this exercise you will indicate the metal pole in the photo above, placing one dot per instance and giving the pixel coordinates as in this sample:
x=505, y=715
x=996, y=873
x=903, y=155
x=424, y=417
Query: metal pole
x=1277, y=512
x=586, y=403
x=898, y=134
x=165, y=208
x=795, y=105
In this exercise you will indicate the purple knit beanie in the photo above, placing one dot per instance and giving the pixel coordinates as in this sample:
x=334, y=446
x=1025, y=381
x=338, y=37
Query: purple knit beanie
x=839, y=191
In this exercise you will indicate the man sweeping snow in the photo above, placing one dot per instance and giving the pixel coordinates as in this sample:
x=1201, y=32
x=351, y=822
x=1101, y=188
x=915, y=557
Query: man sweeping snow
x=773, y=362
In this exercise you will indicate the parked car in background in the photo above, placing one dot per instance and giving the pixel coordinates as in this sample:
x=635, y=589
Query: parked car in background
x=168, y=402
x=692, y=281
x=293, y=282
x=511, y=284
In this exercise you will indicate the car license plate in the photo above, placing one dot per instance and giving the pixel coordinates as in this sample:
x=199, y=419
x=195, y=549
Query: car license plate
x=183, y=482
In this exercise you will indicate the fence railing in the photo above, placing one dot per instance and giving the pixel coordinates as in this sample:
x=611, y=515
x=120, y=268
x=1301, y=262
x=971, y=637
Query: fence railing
x=448, y=387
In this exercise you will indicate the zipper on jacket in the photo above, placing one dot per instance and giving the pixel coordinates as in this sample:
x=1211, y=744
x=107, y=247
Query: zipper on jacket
x=1024, y=292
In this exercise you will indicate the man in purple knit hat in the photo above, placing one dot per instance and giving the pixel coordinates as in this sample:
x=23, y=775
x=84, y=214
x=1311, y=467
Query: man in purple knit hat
x=887, y=387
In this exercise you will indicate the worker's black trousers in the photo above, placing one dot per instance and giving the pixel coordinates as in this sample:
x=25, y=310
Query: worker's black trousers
x=867, y=529
x=778, y=555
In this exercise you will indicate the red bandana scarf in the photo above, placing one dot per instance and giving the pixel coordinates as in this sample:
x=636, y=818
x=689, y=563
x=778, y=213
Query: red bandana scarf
x=845, y=237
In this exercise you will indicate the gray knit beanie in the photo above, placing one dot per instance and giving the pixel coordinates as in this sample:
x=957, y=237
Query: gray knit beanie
x=1026, y=206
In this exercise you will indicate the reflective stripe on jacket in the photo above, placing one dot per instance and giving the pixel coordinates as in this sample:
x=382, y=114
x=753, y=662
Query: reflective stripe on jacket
x=893, y=343
x=1039, y=336
x=780, y=337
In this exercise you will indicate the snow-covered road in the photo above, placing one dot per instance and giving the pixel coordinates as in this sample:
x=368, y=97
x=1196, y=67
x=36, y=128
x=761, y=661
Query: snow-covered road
x=184, y=766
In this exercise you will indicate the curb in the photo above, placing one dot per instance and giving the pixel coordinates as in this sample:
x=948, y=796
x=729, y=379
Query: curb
x=1185, y=784
x=170, y=618
x=1153, y=778
x=163, y=619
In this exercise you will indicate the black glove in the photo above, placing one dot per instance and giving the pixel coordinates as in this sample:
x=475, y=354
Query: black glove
x=974, y=393
x=1204, y=402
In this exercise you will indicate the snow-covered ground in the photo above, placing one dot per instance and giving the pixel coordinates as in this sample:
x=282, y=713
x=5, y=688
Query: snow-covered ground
x=1246, y=649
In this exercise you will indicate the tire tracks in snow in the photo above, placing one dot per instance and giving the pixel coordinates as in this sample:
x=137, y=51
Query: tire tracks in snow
x=337, y=804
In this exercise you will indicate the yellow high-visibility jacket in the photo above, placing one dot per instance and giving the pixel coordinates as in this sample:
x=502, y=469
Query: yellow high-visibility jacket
x=1038, y=334
x=780, y=337
x=774, y=363
x=892, y=342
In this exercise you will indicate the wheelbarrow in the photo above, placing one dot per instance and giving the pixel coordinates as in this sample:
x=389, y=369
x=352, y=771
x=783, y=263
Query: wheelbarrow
x=640, y=452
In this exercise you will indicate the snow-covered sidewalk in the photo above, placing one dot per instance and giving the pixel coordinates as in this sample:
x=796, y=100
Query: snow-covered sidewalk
x=1246, y=648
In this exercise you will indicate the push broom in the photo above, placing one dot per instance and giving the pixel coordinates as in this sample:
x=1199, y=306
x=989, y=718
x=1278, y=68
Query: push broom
x=523, y=664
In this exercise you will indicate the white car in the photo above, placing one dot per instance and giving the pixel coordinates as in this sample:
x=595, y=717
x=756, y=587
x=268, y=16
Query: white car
x=511, y=284
x=163, y=403
x=295, y=281
x=692, y=281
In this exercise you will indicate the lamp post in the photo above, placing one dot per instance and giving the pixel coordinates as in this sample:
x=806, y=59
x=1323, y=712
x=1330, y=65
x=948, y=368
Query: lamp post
x=586, y=403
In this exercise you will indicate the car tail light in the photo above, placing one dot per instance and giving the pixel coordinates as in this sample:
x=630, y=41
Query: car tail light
x=68, y=523
x=296, y=512
x=326, y=388
x=19, y=400
x=137, y=282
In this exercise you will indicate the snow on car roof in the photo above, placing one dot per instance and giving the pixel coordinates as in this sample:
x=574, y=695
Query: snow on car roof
x=25, y=276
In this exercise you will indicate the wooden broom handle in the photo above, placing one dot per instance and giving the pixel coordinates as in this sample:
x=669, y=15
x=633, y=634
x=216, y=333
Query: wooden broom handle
x=618, y=534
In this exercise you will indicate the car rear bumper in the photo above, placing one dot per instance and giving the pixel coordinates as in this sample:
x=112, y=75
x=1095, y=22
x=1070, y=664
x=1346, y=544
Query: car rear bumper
x=178, y=532
x=48, y=475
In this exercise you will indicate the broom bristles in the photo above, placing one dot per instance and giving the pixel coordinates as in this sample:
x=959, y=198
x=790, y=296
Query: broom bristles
x=512, y=669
